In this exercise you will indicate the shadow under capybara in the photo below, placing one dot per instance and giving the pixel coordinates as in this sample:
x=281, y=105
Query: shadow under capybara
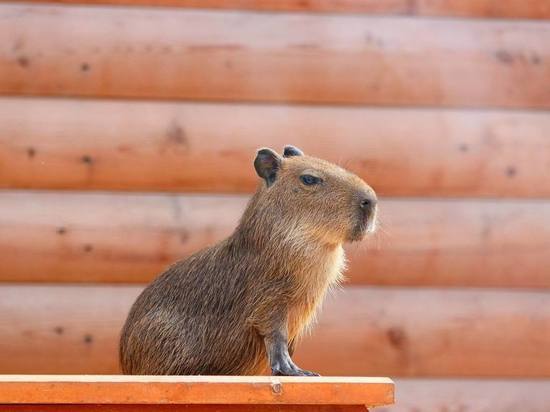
x=238, y=307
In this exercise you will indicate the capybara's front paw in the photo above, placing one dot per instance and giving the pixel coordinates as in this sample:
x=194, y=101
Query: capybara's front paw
x=285, y=367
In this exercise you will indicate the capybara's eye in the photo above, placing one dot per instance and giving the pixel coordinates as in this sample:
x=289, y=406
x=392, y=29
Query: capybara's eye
x=310, y=180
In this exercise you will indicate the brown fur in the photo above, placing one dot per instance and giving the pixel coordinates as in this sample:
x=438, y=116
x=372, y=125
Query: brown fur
x=215, y=312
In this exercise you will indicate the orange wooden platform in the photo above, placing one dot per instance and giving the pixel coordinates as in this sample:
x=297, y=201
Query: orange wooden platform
x=192, y=393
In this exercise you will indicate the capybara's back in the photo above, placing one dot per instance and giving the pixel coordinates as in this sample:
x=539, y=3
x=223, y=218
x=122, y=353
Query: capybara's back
x=192, y=320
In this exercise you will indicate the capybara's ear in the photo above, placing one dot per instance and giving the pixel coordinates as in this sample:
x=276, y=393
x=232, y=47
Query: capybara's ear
x=267, y=163
x=290, y=151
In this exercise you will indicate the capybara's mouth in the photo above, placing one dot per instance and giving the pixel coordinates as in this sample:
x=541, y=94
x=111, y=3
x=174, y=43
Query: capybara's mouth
x=362, y=228
x=359, y=231
x=371, y=224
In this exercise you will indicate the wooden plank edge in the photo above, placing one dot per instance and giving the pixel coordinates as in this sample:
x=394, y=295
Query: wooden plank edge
x=466, y=9
x=261, y=390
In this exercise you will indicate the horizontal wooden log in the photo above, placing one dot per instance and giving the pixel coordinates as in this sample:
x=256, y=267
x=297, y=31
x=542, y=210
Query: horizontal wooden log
x=439, y=395
x=80, y=51
x=194, y=390
x=362, y=331
x=415, y=332
x=52, y=237
x=531, y=9
x=80, y=144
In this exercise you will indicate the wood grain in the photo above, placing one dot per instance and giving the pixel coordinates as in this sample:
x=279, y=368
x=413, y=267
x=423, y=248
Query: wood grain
x=58, y=237
x=362, y=331
x=115, y=52
x=133, y=146
x=431, y=333
x=531, y=9
x=194, y=390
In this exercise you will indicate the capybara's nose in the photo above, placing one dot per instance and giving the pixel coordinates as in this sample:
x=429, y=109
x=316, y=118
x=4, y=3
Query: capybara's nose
x=368, y=203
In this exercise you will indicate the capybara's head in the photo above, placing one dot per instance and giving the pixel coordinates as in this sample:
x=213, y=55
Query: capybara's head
x=314, y=197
